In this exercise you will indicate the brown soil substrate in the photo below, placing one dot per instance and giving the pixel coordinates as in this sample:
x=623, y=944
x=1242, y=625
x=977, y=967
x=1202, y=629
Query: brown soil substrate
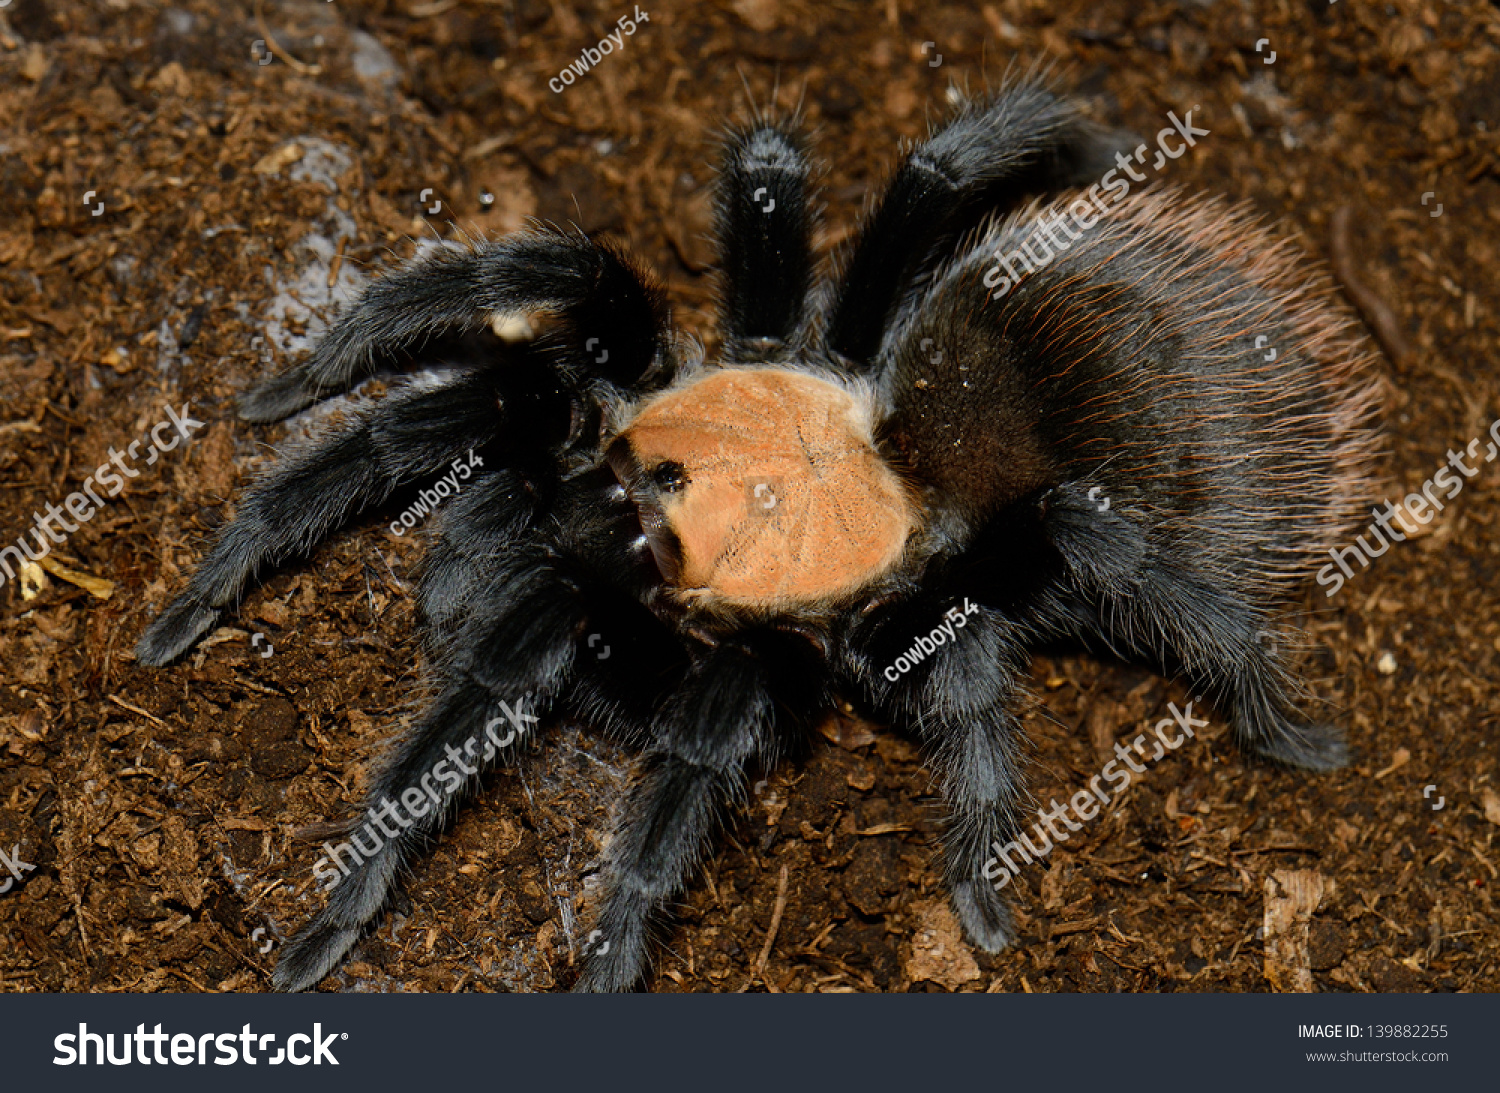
x=239, y=200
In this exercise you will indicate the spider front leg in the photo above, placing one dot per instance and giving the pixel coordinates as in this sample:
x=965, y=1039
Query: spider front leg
x=968, y=702
x=519, y=650
x=718, y=720
x=463, y=733
x=411, y=436
x=763, y=227
x=614, y=316
x=472, y=533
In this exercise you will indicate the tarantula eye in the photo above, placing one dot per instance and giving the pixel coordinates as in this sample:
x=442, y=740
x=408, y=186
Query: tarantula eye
x=670, y=476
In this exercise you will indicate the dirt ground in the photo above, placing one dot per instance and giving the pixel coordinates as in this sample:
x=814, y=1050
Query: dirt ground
x=178, y=218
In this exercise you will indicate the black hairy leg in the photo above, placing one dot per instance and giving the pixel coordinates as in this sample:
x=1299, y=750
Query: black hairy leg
x=1178, y=618
x=518, y=651
x=721, y=718
x=458, y=717
x=470, y=536
x=1183, y=624
x=615, y=318
x=986, y=160
x=960, y=701
x=1215, y=639
x=411, y=436
x=968, y=723
x=763, y=227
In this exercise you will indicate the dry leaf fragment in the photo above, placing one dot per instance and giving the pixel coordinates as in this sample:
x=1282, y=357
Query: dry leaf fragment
x=244, y=823
x=938, y=951
x=223, y=634
x=31, y=725
x=1491, y=806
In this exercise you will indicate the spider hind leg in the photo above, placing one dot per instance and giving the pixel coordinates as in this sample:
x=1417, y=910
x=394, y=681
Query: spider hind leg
x=1212, y=636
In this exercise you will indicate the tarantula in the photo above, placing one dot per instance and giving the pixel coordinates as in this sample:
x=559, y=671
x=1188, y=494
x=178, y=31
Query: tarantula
x=755, y=535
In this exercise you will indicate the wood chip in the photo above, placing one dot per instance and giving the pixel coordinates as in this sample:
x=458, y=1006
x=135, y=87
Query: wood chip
x=1379, y=315
x=1399, y=760
x=1491, y=806
x=97, y=587
x=33, y=580
x=278, y=160
x=1292, y=895
x=765, y=950
x=120, y=702
x=884, y=829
